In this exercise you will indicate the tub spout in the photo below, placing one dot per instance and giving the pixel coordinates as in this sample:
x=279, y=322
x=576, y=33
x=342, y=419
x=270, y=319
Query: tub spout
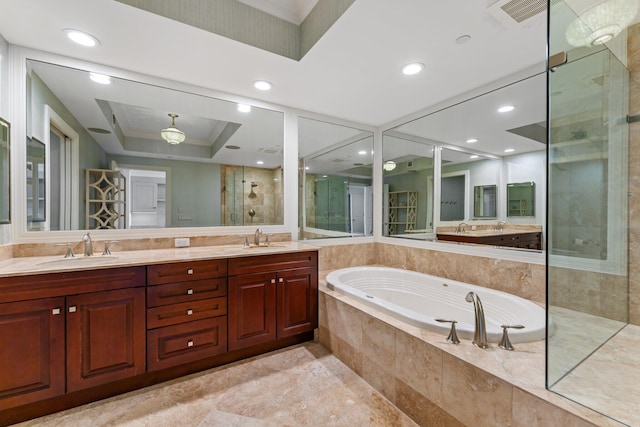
x=480, y=333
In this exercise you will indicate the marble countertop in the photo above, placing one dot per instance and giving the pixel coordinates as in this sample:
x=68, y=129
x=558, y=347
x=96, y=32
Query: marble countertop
x=53, y=264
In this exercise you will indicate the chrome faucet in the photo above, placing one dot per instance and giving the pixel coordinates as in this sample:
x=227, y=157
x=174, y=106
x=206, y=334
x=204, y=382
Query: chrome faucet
x=500, y=225
x=256, y=239
x=480, y=333
x=88, y=246
x=460, y=227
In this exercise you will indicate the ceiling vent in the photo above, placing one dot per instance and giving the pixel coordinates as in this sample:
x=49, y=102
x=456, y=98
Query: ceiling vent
x=268, y=150
x=514, y=12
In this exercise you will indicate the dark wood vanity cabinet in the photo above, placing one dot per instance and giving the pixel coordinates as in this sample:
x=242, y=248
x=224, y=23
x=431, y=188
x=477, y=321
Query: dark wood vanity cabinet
x=105, y=337
x=73, y=337
x=186, y=312
x=523, y=240
x=87, y=329
x=272, y=297
x=32, y=357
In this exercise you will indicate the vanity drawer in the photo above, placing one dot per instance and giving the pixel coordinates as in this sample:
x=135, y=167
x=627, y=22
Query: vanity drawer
x=187, y=342
x=185, y=312
x=266, y=263
x=173, y=293
x=186, y=271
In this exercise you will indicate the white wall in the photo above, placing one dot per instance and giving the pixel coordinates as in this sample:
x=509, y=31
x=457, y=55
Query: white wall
x=5, y=230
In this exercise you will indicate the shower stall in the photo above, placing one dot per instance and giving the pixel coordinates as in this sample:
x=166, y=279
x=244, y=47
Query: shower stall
x=591, y=351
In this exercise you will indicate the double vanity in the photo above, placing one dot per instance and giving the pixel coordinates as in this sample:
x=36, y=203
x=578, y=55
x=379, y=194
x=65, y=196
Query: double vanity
x=525, y=237
x=81, y=329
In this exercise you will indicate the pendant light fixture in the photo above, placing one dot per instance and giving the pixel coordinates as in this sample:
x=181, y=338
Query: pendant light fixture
x=601, y=23
x=172, y=134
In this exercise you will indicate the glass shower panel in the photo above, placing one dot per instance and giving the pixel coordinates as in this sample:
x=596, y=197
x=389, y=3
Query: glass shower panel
x=234, y=195
x=587, y=287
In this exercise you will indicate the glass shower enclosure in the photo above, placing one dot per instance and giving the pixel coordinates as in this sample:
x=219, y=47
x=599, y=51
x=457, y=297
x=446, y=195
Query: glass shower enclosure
x=589, y=340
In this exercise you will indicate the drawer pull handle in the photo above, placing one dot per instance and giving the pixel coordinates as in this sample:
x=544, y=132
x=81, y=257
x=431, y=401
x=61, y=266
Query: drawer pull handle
x=189, y=291
x=190, y=343
x=190, y=271
x=72, y=309
x=55, y=311
x=280, y=280
x=273, y=280
x=189, y=312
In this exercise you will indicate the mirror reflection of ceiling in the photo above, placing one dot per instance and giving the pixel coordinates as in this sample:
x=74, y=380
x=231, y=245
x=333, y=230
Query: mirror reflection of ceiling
x=352, y=72
x=334, y=149
x=478, y=118
x=134, y=114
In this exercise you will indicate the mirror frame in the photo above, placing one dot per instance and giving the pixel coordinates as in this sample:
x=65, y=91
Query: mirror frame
x=5, y=188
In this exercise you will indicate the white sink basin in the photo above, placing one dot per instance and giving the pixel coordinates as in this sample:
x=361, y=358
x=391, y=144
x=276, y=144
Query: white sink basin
x=263, y=246
x=81, y=260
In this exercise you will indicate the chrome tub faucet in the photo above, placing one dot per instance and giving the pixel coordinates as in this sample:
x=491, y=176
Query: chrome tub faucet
x=480, y=332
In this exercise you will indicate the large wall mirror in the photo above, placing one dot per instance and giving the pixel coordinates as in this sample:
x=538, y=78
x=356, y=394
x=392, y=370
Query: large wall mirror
x=336, y=193
x=407, y=201
x=97, y=159
x=5, y=173
x=485, y=143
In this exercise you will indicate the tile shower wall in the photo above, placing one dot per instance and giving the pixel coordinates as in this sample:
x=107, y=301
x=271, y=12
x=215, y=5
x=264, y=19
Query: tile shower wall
x=257, y=189
x=633, y=64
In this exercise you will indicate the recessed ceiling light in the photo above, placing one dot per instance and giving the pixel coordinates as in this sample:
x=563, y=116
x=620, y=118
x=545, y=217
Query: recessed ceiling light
x=100, y=78
x=475, y=156
x=306, y=168
x=362, y=152
x=358, y=164
x=413, y=68
x=509, y=150
x=506, y=108
x=81, y=38
x=472, y=140
x=389, y=165
x=232, y=147
x=259, y=162
x=244, y=108
x=262, y=85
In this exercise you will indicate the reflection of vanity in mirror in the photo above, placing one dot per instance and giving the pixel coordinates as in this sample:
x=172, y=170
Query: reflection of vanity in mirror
x=96, y=158
x=488, y=162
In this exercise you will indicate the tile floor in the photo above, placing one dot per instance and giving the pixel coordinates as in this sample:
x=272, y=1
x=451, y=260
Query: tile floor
x=303, y=385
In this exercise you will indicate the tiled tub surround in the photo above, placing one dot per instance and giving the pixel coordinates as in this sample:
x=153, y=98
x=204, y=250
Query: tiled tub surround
x=441, y=384
x=518, y=278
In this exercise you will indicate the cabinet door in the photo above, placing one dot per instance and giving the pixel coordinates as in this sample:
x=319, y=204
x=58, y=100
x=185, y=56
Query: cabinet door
x=31, y=351
x=252, y=309
x=105, y=337
x=297, y=301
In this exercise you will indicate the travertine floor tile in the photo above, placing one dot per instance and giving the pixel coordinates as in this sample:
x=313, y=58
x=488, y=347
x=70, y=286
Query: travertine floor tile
x=302, y=385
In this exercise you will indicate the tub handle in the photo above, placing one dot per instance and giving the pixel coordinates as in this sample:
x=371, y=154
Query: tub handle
x=453, y=335
x=505, y=343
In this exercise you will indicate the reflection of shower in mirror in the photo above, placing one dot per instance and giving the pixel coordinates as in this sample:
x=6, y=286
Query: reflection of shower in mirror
x=252, y=194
